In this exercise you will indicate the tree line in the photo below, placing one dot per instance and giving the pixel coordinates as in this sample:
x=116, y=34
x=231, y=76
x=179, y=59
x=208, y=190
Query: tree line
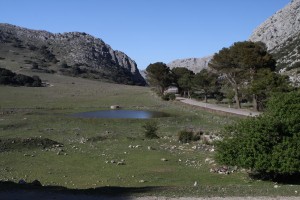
x=268, y=146
x=244, y=71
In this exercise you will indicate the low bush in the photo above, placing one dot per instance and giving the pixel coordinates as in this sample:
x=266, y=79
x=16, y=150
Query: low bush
x=151, y=128
x=168, y=97
x=186, y=136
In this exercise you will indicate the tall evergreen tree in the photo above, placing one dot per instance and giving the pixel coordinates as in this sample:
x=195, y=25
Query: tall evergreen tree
x=185, y=83
x=239, y=64
x=183, y=79
x=205, y=81
x=159, y=76
x=265, y=83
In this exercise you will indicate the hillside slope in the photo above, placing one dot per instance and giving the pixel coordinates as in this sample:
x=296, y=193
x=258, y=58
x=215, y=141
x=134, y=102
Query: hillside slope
x=73, y=53
x=280, y=33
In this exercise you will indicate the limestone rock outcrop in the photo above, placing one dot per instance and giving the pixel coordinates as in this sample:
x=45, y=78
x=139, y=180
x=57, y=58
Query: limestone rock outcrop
x=193, y=64
x=81, y=50
x=281, y=34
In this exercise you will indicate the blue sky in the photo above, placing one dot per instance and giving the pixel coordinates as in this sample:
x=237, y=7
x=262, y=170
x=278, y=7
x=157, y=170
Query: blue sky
x=148, y=31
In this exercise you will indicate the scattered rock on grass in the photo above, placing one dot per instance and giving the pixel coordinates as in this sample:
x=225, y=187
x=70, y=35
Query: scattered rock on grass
x=195, y=184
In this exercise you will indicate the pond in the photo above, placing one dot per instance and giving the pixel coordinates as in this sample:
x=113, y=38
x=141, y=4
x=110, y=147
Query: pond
x=121, y=114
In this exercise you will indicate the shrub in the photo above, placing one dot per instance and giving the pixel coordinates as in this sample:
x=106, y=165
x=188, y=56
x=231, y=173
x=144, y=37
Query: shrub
x=34, y=65
x=168, y=97
x=185, y=136
x=151, y=128
x=268, y=145
x=7, y=77
x=64, y=65
x=197, y=136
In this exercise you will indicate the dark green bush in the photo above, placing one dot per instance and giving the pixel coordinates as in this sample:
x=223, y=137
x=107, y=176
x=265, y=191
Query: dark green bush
x=185, y=136
x=168, y=97
x=48, y=55
x=7, y=77
x=268, y=145
x=64, y=65
x=197, y=136
x=151, y=128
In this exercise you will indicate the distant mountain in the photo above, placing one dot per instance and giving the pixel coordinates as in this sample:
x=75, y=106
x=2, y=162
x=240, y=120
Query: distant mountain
x=73, y=53
x=281, y=34
x=193, y=64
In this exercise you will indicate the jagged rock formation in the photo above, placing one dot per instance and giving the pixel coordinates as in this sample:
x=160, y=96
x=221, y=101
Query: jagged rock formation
x=73, y=53
x=281, y=35
x=193, y=64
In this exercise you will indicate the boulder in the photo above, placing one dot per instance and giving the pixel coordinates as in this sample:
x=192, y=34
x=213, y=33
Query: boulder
x=114, y=107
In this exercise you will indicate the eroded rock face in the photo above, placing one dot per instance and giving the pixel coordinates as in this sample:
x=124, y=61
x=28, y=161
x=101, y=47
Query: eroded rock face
x=78, y=49
x=281, y=35
x=193, y=64
x=279, y=27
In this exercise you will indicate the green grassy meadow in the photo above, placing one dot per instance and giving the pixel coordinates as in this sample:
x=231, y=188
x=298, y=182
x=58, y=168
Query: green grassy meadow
x=90, y=145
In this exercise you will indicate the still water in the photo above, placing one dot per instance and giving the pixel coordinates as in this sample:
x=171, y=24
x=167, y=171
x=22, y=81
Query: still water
x=121, y=114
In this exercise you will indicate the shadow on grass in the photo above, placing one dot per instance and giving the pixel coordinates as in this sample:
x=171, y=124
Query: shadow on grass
x=279, y=178
x=12, y=190
x=10, y=144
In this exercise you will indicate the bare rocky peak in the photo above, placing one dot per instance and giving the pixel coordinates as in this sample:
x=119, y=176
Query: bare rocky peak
x=125, y=61
x=281, y=34
x=76, y=48
x=284, y=24
x=193, y=64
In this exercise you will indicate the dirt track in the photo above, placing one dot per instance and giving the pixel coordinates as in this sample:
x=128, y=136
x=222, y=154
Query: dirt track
x=215, y=107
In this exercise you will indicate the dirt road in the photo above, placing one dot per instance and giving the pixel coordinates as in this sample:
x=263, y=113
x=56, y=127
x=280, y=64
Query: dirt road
x=215, y=107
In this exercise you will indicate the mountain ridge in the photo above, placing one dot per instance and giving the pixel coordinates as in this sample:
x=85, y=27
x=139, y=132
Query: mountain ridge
x=193, y=64
x=280, y=33
x=74, y=49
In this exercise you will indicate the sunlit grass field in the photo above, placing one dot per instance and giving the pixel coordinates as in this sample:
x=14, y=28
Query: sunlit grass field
x=91, y=148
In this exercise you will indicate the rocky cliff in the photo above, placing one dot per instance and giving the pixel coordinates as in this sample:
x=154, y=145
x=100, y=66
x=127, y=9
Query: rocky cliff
x=281, y=35
x=73, y=53
x=193, y=64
